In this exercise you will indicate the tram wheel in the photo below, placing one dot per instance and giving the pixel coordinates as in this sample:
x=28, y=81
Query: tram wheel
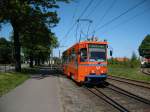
x=79, y=84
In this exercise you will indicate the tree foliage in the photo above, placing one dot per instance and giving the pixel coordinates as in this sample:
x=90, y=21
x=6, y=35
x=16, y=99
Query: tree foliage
x=24, y=16
x=37, y=46
x=5, y=51
x=144, y=48
x=134, y=62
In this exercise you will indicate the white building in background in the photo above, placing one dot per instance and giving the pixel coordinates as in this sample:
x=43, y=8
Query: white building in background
x=145, y=61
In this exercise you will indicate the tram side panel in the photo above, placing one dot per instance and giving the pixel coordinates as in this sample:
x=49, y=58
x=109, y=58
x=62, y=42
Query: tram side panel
x=70, y=68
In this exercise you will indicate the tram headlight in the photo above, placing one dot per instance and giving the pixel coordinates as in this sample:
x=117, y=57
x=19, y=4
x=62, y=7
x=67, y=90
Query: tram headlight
x=92, y=72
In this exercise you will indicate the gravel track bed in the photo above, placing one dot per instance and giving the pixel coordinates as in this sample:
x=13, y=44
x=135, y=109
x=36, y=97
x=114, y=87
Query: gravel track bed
x=140, y=91
x=78, y=99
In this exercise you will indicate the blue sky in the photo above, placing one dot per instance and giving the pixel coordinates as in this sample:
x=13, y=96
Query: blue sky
x=124, y=35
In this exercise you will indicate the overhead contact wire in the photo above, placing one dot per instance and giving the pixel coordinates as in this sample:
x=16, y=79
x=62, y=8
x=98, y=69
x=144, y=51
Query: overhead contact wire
x=117, y=17
x=106, y=13
x=129, y=19
x=97, y=4
x=86, y=8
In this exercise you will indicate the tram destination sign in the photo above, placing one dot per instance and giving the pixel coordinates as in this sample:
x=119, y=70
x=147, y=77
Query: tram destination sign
x=97, y=46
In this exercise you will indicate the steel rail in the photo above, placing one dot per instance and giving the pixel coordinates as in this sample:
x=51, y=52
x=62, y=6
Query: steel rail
x=142, y=82
x=108, y=99
x=132, y=82
x=129, y=94
x=145, y=72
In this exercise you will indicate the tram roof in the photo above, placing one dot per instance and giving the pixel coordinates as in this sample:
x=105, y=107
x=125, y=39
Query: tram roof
x=88, y=42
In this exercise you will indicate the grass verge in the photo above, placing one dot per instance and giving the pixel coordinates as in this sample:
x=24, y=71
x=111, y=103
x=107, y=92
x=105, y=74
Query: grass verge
x=10, y=80
x=126, y=72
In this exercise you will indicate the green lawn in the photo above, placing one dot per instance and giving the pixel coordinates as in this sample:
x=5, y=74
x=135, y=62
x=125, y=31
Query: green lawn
x=131, y=73
x=10, y=80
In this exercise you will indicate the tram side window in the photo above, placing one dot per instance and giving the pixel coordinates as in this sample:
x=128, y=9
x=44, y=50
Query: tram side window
x=83, y=55
x=64, y=58
x=69, y=58
x=73, y=56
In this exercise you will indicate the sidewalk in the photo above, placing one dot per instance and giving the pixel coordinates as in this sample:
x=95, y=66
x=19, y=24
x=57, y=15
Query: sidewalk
x=35, y=95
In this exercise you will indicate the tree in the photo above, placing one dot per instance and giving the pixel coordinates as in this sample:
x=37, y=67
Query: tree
x=5, y=51
x=20, y=13
x=134, y=62
x=34, y=39
x=144, y=48
x=37, y=43
x=38, y=48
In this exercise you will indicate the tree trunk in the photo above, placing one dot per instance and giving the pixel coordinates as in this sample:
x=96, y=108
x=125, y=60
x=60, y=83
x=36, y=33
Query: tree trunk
x=43, y=61
x=17, y=56
x=31, y=60
x=38, y=62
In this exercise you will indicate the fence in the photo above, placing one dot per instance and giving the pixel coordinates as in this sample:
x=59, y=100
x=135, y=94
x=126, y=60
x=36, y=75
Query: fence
x=6, y=68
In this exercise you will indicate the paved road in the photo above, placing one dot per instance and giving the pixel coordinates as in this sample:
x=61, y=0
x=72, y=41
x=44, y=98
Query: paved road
x=35, y=95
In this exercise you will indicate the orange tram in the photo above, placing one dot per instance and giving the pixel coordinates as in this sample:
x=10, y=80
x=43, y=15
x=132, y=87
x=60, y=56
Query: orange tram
x=86, y=62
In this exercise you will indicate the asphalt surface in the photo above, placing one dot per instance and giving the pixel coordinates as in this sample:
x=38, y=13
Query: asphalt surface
x=35, y=95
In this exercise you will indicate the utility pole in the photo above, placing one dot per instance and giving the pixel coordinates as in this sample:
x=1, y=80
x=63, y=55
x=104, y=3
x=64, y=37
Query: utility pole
x=60, y=51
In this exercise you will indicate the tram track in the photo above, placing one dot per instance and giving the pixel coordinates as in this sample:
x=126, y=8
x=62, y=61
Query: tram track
x=107, y=99
x=145, y=71
x=130, y=81
x=127, y=93
x=104, y=94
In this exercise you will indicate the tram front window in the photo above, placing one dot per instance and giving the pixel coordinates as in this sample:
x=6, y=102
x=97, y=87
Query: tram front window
x=97, y=56
x=97, y=53
x=83, y=55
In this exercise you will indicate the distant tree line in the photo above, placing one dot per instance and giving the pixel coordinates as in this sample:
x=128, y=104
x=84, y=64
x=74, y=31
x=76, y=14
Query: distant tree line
x=133, y=62
x=37, y=51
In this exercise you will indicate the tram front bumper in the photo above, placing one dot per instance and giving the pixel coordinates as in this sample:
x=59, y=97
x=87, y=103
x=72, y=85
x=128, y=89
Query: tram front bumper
x=95, y=79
